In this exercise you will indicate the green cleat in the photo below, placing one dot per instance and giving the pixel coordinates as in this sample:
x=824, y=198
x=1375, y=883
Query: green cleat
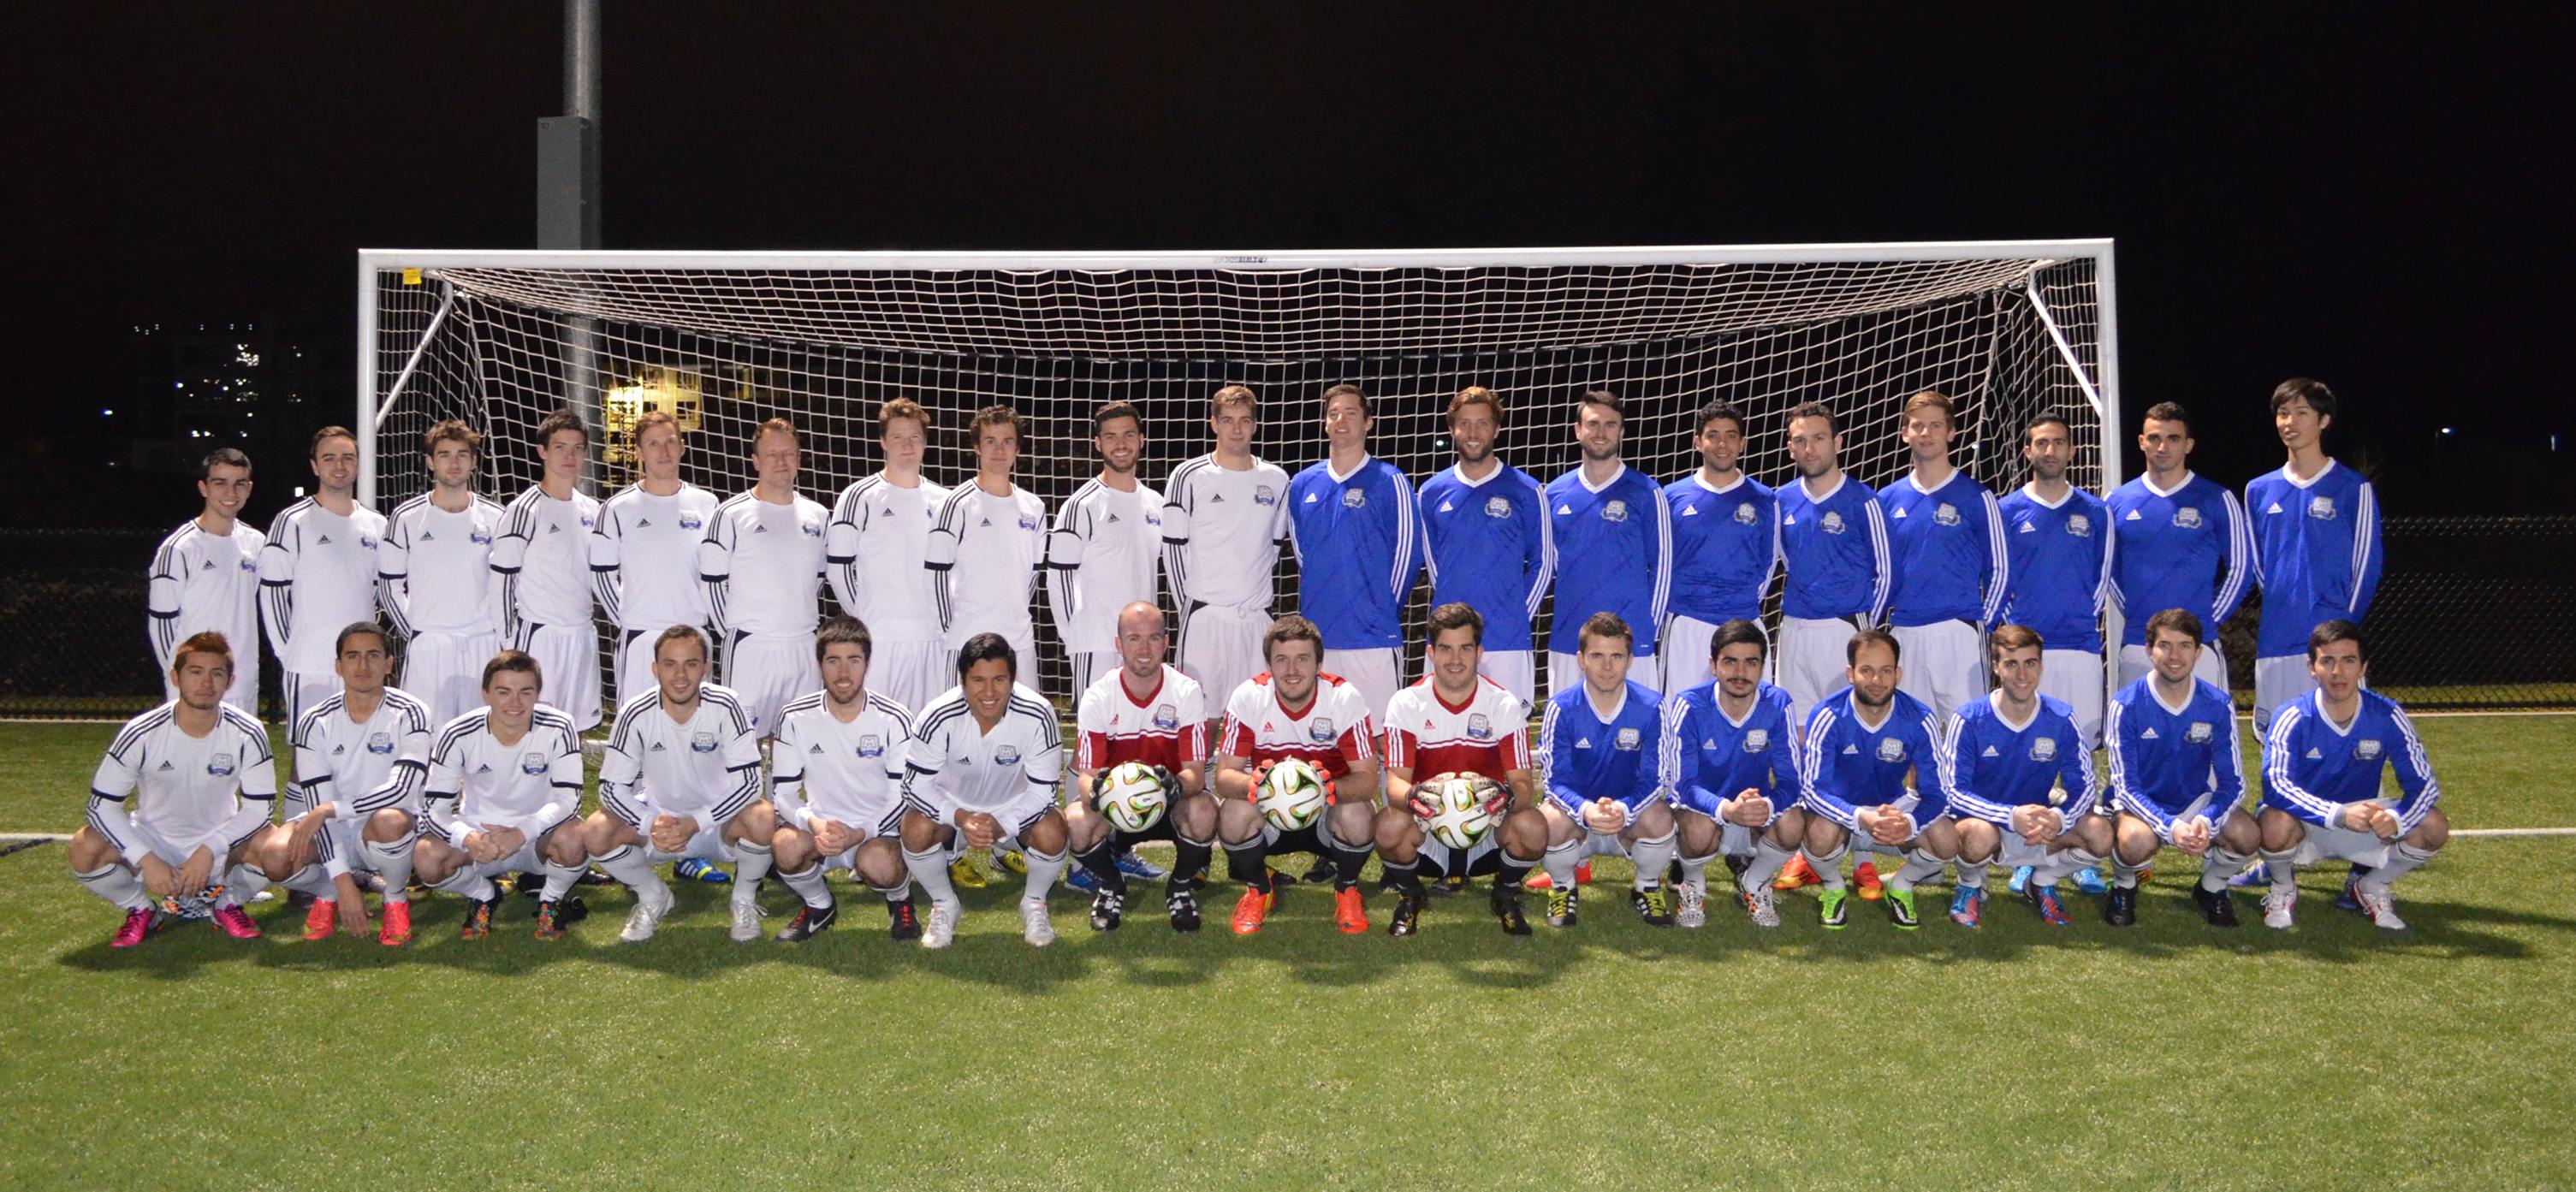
x=1833, y=908
x=1900, y=909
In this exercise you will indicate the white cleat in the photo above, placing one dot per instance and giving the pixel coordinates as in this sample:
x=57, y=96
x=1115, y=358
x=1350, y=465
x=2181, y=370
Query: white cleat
x=650, y=905
x=1035, y=927
x=746, y=921
x=2277, y=906
x=941, y=930
x=2380, y=907
x=1693, y=911
x=1762, y=906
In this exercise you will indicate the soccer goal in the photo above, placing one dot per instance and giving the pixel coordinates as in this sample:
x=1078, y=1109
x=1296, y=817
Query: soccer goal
x=725, y=340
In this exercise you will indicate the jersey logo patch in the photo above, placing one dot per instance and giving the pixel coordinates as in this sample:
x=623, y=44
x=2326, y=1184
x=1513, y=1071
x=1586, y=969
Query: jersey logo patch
x=702, y=742
x=1947, y=514
x=2199, y=733
x=2044, y=749
x=246, y=565
x=2367, y=750
x=2026, y=527
x=532, y=763
x=2276, y=508
x=1008, y=755
x=1478, y=727
x=1614, y=511
x=1746, y=514
x=1311, y=498
x=483, y=768
x=2148, y=735
x=811, y=529
x=690, y=521
x=1028, y=523
x=2133, y=516
x=209, y=565
x=1890, y=749
x=1262, y=496
x=1626, y=740
x=1756, y=740
x=1320, y=731
x=1167, y=716
x=1849, y=750
x=324, y=541
x=2079, y=525
x=479, y=537
x=1990, y=752
x=657, y=748
x=763, y=529
x=220, y=765
x=337, y=750
x=1565, y=509
x=1583, y=742
x=2313, y=755
x=816, y=747
x=1832, y=522
x=642, y=522
x=427, y=536
x=1897, y=514
x=380, y=743
x=1353, y=498
x=1690, y=511
x=2321, y=508
x=1498, y=507
x=1446, y=506
x=2185, y=518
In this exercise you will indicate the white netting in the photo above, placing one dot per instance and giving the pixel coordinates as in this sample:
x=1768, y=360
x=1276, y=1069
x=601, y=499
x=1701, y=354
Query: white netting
x=823, y=346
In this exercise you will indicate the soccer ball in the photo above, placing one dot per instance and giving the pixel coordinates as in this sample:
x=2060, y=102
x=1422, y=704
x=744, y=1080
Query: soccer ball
x=1130, y=797
x=1291, y=796
x=1458, y=816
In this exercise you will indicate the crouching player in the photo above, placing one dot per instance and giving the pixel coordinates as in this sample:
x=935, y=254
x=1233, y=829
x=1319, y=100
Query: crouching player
x=1860, y=742
x=1148, y=712
x=1600, y=744
x=2175, y=774
x=361, y=758
x=503, y=796
x=836, y=788
x=681, y=779
x=1295, y=711
x=1456, y=723
x=1728, y=756
x=2020, y=782
x=2321, y=766
x=983, y=767
x=207, y=783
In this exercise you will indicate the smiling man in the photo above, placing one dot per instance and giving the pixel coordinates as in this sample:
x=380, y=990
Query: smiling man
x=1102, y=551
x=318, y=571
x=205, y=577
x=2316, y=537
x=681, y=780
x=2322, y=762
x=1489, y=541
x=985, y=763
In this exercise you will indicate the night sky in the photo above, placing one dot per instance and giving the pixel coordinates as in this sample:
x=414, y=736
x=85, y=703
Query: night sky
x=2329, y=192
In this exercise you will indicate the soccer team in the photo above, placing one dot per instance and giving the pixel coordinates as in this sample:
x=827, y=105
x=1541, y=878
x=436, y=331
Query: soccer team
x=1933, y=691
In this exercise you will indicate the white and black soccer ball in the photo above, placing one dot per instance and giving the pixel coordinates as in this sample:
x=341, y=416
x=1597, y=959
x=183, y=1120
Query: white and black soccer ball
x=1291, y=795
x=1130, y=797
x=1458, y=819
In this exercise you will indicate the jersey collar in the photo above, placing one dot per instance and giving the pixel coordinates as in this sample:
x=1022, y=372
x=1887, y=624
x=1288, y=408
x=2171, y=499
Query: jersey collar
x=2030, y=491
x=1731, y=485
x=2322, y=473
x=1590, y=487
x=1461, y=474
x=2187, y=477
x=1159, y=680
x=1339, y=477
x=1819, y=498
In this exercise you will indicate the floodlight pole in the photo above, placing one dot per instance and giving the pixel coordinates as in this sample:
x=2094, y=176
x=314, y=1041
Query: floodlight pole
x=568, y=197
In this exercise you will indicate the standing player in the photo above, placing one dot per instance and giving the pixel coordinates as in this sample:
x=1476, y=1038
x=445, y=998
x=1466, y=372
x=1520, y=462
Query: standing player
x=879, y=537
x=1945, y=536
x=504, y=796
x=1295, y=710
x=1224, y=519
x=1726, y=542
x=985, y=761
x=1833, y=542
x=1104, y=546
x=2175, y=774
x=436, y=567
x=317, y=571
x=1143, y=711
x=1859, y=744
x=1457, y=722
x=1731, y=764
x=644, y=552
x=1600, y=744
x=207, y=784
x=2058, y=540
x=681, y=779
x=1614, y=546
x=2316, y=538
x=2180, y=540
x=361, y=760
x=836, y=787
x=205, y=576
x=988, y=546
x=2321, y=765
x=2019, y=774
x=1488, y=540
x=1351, y=519
x=763, y=566
x=543, y=559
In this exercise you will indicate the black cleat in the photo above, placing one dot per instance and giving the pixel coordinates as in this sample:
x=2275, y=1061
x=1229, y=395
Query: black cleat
x=1183, y=907
x=901, y=923
x=1407, y=917
x=1454, y=883
x=298, y=900
x=593, y=877
x=1737, y=863
x=529, y=885
x=1319, y=873
x=809, y=922
x=1507, y=908
x=478, y=918
x=2216, y=908
x=571, y=909
x=2120, y=909
x=1107, y=906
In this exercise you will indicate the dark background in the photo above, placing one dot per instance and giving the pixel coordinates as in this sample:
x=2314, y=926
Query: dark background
x=2331, y=192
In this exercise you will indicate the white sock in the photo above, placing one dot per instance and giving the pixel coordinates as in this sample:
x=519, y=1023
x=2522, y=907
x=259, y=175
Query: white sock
x=120, y=886
x=2064, y=864
x=1695, y=872
x=1919, y=867
x=2124, y=875
x=2276, y=866
x=930, y=871
x=2218, y=866
x=1653, y=858
x=1972, y=875
x=1559, y=862
x=241, y=884
x=392, y=860
x=313, y=880
x=898, y=892
x=808, y=885
x=1767, y=860
x=2402, y=860
x=752, y=864
x=1044, y=868
x=1829, y=867
x=470, y=882
x=559, y=880
x=628, y=864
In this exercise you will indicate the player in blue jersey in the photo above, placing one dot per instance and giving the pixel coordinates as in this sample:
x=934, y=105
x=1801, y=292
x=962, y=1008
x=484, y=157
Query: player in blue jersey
x=1487, y=539
x=1859, y=744
x=1731, y=766
x=2321, y=791
x=1598, y=744
x=2316, y=535
x=2058, y=538
x=2019, y=774
x=1945, y=535
x=2175, y=774
x=1726, y=543
x=1614, y=544
x=1351, y=519
x=2179, y=540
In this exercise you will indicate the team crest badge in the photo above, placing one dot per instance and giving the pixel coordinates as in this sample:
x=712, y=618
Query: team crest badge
x=2367, y=749
x=1320, y=730
x=1166, y=716
x=220, y=765
x=1615, y=511
x=702, y=742
x=2079, y=525
x=1757, y=740
x=1832, y=522
x=2043, y=749
x=1478, y=727
x=811, y=529
x=380, y=743
x=2321, y=508
x=1627, y=739
x=1947, y=514
x=1890, y=749
x=1498, y=507
x=1008, y=755
x=1746, y=514
x=872, y=745
x=1263, y=496
x=2199, y=733
x=1353, y=498
x=1028, y=523
x=2186, y=518
x=691, y=521
x=368, y=541
x=248, y=565
x=532, y=763
x=477, y=537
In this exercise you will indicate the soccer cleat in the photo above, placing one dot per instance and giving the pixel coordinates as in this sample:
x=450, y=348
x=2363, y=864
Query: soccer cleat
x=1455, y=883
x=138, y=924
x=1182, y=907
x=396, y=930
x=691, y=869
x=1319, y=873
x=1538, y=880
x=2278, y=907
x=2348, y=899
x=2121, y=908
x=1968, y=907
x=1655, y=906
x=1583, y=874
x=964, y=874
x=1795, y=873
x=1350, y=911
x=1035, y=927
x=1737, y=863
x=2381, y=909
x=1251, y=909
x=2051, y=911
x=1690, y=906
x=1564, y=906
x=1011, y=862
x=1140, y=869
x=2021, y=878
x=1106, y=908
x=901, y=922
x=1762, y=905
x=320, y=918
x=550, y=920
x=746, y=920
x=2256, y=874
x=942, y=929
x=810, y=922
x=235, y=922
x=1407, y=916
x=646, y=918
x=478, y=918
x=2217, y=907
x=1865, y=880
x=1506, y=904
x=1079, y=878
x=1833, y=908
x=2089, y=881
x=1900, y=909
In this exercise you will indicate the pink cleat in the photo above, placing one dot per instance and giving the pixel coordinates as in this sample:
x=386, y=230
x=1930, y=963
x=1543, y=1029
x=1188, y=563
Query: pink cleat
x=138, y=924
x=235, y=922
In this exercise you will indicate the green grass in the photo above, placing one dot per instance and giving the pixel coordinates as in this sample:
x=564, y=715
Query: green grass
x=2168, y=1055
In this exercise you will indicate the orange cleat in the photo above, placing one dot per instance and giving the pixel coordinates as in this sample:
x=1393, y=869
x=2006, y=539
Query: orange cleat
x=397, y=929
x=1583, y=874
x=321, y=918
x=1350, y=913
x=1795, y=873
x=1865, y=876
x=1538, y=880
x=1251, y=909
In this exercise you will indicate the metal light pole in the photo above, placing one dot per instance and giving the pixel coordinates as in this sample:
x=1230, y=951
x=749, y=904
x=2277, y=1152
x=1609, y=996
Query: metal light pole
x=568, y=196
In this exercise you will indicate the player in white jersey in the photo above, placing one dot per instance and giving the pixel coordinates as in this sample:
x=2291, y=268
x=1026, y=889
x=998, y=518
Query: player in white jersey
x=836, y=787
x=1101, y=554
x=875, y=549
x=1295, y=710
x=644, y=552
x=988, y=545
x=543, y=559
x=1225, y=516
x=205, y=576
x=763, y=566
x=504, y=796
x=436, y=567
x=317, y=571
x=1147, y=712
x=681, y=779
x=361, y=759
x=985, y=761
x=1456, y=722
x=206, y=784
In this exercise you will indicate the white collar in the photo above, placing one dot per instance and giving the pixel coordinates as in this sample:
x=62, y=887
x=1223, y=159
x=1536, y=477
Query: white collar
x=2031, y=492
x=2295, y=482
x=1995, y=700
x=1586, y=482
x=1339, y=477
x=2179, y=485
x=1731, y=486
x=2157, y=695
x=1460, y=472
x=1615, y=709
x=1815, y=498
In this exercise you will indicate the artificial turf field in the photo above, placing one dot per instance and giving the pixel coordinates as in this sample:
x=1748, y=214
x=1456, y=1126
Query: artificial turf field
x=2166, y=1055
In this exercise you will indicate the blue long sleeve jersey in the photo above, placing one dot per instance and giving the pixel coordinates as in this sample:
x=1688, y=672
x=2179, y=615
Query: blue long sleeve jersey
x=1356, y=543
x=1491, y=547
x=1948, y=546
x=1848, y=765
x=1614, y=553
x=1990, y=767
x=2164, y=759
x=2316, y=547
x=1710, y=757
x=1726, y=541
x=2190, y=548
x=1835, y=549
x=2061, y=567
x=1585, y=756
x=2313, y=767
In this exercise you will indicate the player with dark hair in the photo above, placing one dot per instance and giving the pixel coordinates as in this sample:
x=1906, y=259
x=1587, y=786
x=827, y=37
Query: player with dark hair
x=681, y=780
x=836, y=777
x=1456, y=723
x=762, y=562
x=876, y=547
x=2316, y=537
x=2019, y=774
x=2175, y=774
x=986, y=760
x=1859, y=744
x=205, y=577
x=644, y=552
x=318, y=572
x=1352, y=519
x=436, y=567
x=1489, y=541
x=1945, y=537
x=1598, y=747
x=543, y=559
x=1730, y=762
x=2179, y=540
x=2322, y=762
x=1614, y=546
x=1726, y=547
x=1297, y=711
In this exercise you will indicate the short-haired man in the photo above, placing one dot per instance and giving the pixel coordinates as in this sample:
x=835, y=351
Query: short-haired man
x=1731, y=764
x=1297, y=711
x=2019, y=774
x=681, y=779
x=2316, y=539
x=1458, y=724
x=1225, y=515
x=2175, y=773
x=361, y=761
x=1146, y=712
x=1859, y=745
x=317, y=571
x=1489, y=541
x=1945, y=536
x=504, y=796
x=876, y=548
x=2322, y=761
x=836, y=787
x=1726, y=547
x=1614, y=546
x=436, y=567
x=205, y=578
x=2179, y=540
x=762, y=562
x=1352, y=520
x=985, y=763
x=1833, y=543
x=1600, y=744
x=543, y=559
x=644, y=552
x=988, y=547
x=2058, y=539
x=1102, y=551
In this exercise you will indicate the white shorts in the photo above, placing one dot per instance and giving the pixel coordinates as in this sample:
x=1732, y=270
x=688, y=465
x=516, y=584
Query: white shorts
x=567, y=668
x=2342, y=844
x=2211, y=667
x=706, y=845
x=1814, y=662
x=2018, y=852
x=1861, y=841
x=304, y=692
x=634, y=661
x=2278, y=683
x=912, y=673
x=445, y=670
x=878, y=821
x=1565, y=672
x=1943, y=664
x=768, y=672
x=1435, y=857
x=1512, y=670
x=1221, y=648
x=1684, y=652
x=1015, y=816
x=1599, y=844
x=173, y=852
x=2076, y=677
x=1373, y=672
x=527, y=860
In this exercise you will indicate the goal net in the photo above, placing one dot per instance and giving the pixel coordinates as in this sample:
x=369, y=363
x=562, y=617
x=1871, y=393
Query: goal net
x=723, y=340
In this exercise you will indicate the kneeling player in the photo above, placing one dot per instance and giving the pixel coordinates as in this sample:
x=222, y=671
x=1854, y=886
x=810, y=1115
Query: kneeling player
x=836, y=787
x=1294, y=710
x=681, y=779
x=1457, y=723
x=361, y=758
x=207, y=784
x=2021, y=783
x=2321, y=766
x=1860, y=742
x=1728, y=756
x=1147, y=712
x=2175, y=774
x=1601, y=744
x=984, y=764
x=504, y=796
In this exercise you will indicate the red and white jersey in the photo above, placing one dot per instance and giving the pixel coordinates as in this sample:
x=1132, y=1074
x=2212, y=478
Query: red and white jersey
x=1330, y=733
x=1165, y=727
x=1487, y=735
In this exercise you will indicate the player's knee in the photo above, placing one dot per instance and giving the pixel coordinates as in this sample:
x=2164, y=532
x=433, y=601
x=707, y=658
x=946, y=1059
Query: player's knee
x=1824, y=835
x=880, y=867
x=1048, y=835
x=1388, y=830
x=2432, y=833
x=756, y=822
x=918, y=832
x=388, y=825
x=1194, y=817
x=1654, y=821
x=2093, y=834
x=1699, y=833
x=86, y=851
x=2281, y=830
x=1238, y=821
x=566, y=849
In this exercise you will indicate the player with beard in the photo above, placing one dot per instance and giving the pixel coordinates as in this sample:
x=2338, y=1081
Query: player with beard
x=1859, y=745
x=836, y=787
x=1730, y=762
x=1488, y=541
x=1456, y=723
x=1146, y=712
x=1726, y=547
x=1614, y=546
